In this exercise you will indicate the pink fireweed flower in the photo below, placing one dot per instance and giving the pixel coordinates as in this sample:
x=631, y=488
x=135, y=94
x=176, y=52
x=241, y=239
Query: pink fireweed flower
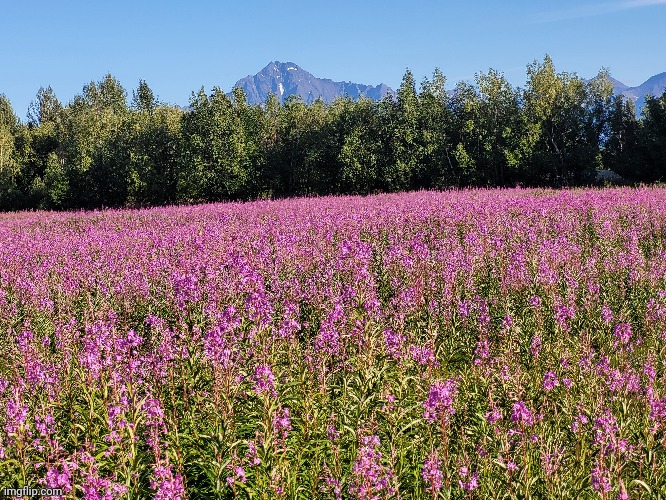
x=468, y=481
x=432, y=474
x=394, y=343
x=505, y=373
x=264, y=381
x=60, y=478
x=281, y=423
x=563, y=314
x=535, y=347
x=649, y=370
x=239, y=475
x=423, y=355
x=99, y=488
x=16, y=416
x=601, y=478
x=606, y=314
x=622, y=332
x=333, y=485
x=494, y=415
x=607, y=434
x=482, y=351
x=3, y=385
x=370, y=479
x=167, y=486
x=218, y=340
x=45, y=425
x=252, y=455
x=522, y=414
x=439, y=405
x=585, y=362
x=550, y=381
x=332, y=433
x=186, y=288
x=657, y=412
x=579, y=421
x=483, y=312
x=289, y=325
x=464, y=308
x=552, y=460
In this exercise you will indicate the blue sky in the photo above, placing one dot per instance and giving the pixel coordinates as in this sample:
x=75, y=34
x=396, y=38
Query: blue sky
x=178, y=46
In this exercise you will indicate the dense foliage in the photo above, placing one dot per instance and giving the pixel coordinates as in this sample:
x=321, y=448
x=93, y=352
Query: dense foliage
x=468, y=344
x=96, y=151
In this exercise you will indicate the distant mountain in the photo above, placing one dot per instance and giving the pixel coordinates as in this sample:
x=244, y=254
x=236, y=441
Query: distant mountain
x=285, y=79
x=654, y=85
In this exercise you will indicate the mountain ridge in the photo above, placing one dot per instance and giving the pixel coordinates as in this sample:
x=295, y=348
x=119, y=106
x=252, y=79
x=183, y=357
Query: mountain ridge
x=284, y=79
x=655, y=85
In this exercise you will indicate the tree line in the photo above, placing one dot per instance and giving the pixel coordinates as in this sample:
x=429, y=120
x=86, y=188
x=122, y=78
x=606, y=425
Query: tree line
x=98, y=151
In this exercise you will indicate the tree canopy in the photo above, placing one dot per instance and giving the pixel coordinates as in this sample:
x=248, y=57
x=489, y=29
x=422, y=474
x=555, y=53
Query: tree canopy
x=101, y=151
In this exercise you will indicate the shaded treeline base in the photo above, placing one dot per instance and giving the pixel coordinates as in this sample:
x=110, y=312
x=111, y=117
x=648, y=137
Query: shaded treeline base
x=97, y=151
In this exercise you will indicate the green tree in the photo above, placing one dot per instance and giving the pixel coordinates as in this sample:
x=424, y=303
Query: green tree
x=435, y=168
x=46, y=109
x=301, y=148
x=653, y=139
x=214, y=157
x=154, y=144
x=621, y=150
x=499, y=126
x=93, y=147
x=143, y=98
x=9, y=124
x=466, y=137
x=360, y=147
x=405, y=137
x=562, y=135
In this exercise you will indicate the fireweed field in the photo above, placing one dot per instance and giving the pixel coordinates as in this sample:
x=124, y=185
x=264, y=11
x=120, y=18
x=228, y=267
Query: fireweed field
x=474, y=344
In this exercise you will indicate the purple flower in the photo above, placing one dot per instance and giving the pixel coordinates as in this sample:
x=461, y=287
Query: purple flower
x=494, y=415
x=550, y=381
x=439, y=405
x=59, y=478
x=622, y=332
x=522, y=414
x=579, y=421
x=167, y=486
x=252, y=456
x=471, y=481
x=601, y=479
x=394, y=343
x=535, y=347
x=535, y=301
x=423, y=355
x=281, y=423
x=239, y=475
x=264, y=381
x=563, y=314
x=432, y=474
x=370, y=479
x=332, y=433
x=482, y=351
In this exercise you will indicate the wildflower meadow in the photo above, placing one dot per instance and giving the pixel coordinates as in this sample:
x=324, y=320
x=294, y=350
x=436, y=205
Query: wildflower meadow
x=464, y=344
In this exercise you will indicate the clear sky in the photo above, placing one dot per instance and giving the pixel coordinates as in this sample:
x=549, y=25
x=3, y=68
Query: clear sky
x=178, y=46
